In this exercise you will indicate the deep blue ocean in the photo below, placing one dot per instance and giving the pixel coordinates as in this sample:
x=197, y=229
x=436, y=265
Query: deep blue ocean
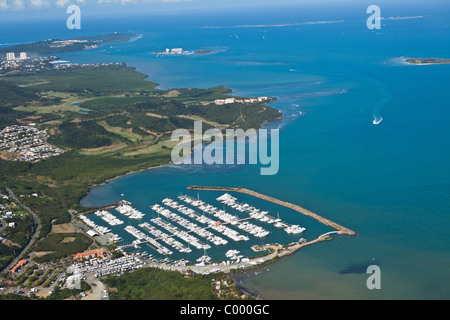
x=389, y=182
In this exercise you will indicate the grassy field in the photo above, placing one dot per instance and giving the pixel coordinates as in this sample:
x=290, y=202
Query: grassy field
x=58, y=245
x=211, y=123
x=127, y=133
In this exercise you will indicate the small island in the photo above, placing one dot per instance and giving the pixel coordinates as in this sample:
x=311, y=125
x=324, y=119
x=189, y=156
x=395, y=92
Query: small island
x=181, y=51
x=427, y=61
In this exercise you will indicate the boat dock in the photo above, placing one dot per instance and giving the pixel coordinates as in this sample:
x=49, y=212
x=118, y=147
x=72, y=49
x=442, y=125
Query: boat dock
x=208, y=225
x=341, y=229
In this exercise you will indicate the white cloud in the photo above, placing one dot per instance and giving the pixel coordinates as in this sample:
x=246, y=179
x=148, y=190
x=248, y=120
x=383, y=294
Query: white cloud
x=4, y=5
x=124, y=2
x=62, y=3
x=18, y=5
x=39, y=3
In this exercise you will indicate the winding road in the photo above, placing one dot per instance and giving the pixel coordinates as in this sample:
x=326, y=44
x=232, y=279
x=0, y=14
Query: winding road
x=37, y=225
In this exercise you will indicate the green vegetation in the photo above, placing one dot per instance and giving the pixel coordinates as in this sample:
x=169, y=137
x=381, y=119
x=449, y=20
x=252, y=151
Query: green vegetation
x=12, y=296
x=127, y=128
x=88, y=81
x=50, y=280
x=52, y=46
x=22, y=230
x=62, y=244
x=156, y=284
x=32, y=277
x=16, y=237
x=49, y=210
x=59, y=294
x=12, y=95
x=87, y=134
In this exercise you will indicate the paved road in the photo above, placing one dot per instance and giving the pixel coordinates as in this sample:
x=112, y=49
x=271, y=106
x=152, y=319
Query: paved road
x=2, y=226
x=97, y=289
x=37, y=225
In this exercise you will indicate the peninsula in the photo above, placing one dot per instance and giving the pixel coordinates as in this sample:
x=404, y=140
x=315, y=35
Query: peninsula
x=56, y=46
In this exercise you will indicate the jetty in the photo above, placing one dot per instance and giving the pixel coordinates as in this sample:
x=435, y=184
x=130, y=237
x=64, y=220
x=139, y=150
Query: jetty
x=341, y=230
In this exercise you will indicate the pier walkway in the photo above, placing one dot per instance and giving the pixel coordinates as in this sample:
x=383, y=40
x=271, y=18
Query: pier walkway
x=124, y=246
x=328, y=233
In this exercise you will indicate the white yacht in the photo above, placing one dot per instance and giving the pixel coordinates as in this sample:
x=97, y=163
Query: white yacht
x=294, y=229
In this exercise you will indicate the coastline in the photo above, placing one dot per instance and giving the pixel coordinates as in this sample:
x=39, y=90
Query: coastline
x=265, y=122
x=118, y=177
x=156, y=167
x=425, y=61
x=335, y=162
x=276, y=252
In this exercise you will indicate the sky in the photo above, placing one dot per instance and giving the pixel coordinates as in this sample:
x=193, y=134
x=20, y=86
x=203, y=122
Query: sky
x=33, y=9
x=40, y=9
x=20, y=5
x=46, y=5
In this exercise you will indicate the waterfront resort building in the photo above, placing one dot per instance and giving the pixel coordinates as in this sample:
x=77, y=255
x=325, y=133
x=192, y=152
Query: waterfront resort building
x=19, y=266
x=99, y=253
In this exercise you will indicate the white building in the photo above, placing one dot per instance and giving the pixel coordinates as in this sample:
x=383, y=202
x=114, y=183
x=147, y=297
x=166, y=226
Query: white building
x=92, y=233
x=229, y=100
x=10, y=56
x=23, y=56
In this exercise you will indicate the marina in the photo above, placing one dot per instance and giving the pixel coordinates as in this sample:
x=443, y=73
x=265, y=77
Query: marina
x=227, y=217
x=100, y=229
x=192, y=232
x=100, y=267
x=165, y=237
x=143, y=238
x=387, y=182
x=129, y=211
x=255, y=213
x=341, y=229
x=183, y=235
x=109, y=218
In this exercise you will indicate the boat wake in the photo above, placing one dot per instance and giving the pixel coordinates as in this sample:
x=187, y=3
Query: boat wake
x=376, y=120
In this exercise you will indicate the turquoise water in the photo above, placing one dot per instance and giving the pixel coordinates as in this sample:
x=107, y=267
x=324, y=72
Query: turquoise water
x=388, y=182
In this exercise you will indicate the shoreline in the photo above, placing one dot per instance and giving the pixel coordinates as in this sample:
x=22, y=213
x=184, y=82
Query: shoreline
x=154, y=167
x=276, y=252
x=427, y=61
x=115, y=178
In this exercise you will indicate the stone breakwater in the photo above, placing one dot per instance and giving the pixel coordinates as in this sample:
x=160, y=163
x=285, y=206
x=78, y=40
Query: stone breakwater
x=334, y=225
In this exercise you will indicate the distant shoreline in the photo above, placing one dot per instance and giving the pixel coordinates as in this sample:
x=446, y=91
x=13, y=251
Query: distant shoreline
x=426, y=61
x=276, y=25
x=57, y=46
